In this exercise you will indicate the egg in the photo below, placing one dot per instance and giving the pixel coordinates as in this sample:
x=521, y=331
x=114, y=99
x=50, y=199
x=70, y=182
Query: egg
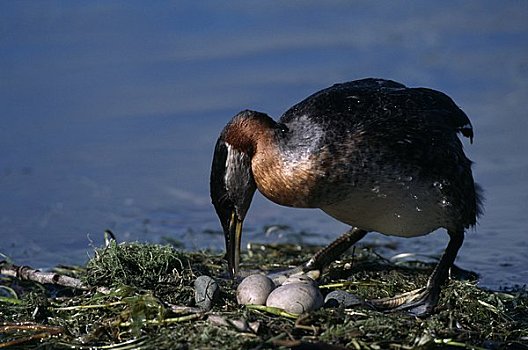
x=298, y=294
x=254, y=289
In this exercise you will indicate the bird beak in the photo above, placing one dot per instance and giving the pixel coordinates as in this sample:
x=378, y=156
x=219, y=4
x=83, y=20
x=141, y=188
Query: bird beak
x=233, y=237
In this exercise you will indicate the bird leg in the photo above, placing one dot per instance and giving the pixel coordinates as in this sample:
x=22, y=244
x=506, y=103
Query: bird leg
x=321, y=259
x=333, y=251
x=421, y=302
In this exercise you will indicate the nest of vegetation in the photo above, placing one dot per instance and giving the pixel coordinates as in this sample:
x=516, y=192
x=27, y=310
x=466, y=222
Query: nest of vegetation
x=142, y=297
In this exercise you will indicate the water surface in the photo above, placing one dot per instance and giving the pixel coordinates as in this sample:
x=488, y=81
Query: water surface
x=110, y=111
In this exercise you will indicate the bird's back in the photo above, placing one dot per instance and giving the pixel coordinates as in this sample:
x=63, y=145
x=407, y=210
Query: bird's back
x=377, y=103
x=377, y=138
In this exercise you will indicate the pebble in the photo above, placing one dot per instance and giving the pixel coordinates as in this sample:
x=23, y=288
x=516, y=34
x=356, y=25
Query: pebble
x=205, y=291
x=340, y=298
x=254, y=289
x=298, y=294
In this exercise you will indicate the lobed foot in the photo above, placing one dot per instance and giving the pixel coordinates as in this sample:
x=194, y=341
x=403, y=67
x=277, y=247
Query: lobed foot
x=419, y=302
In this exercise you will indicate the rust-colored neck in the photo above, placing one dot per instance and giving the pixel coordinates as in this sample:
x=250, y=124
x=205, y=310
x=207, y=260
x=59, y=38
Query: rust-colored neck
x=277, y=177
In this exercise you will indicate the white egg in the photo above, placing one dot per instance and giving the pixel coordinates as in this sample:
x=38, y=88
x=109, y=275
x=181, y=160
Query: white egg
x=296, y=298
x=254, y=289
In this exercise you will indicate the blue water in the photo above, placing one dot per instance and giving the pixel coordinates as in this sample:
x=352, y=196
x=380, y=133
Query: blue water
x=109, y=112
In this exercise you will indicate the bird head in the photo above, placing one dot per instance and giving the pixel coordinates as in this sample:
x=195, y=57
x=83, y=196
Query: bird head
x=232, y=183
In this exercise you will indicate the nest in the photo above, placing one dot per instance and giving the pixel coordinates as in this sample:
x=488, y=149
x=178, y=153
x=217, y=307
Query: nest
x=147, y=303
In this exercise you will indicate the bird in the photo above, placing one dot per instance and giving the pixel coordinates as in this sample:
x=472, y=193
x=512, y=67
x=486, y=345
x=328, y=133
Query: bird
x=372, y=153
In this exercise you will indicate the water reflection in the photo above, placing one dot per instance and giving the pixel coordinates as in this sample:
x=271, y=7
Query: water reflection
x=110, y=111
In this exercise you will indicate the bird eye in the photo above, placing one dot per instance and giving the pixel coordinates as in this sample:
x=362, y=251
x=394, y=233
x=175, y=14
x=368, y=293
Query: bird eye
x=283, y=128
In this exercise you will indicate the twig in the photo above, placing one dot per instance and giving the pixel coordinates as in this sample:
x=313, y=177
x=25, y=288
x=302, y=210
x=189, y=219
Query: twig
x=179, y=309
x=6, y=328
x=30, y=274
x=241, y=325
x=46, y=332
x=165, y=321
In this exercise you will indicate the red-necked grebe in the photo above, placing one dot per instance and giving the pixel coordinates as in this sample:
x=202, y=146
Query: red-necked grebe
x=371, y=153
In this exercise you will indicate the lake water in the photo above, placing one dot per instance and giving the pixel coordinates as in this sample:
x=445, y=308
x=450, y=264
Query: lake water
x=109, y=112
